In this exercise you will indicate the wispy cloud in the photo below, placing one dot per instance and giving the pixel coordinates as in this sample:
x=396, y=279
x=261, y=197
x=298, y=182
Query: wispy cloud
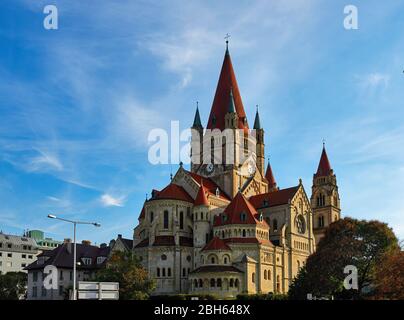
x=110, y=201
x=374, y=80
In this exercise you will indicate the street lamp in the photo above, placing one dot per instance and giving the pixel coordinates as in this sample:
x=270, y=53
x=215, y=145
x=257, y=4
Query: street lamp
x=52, y=216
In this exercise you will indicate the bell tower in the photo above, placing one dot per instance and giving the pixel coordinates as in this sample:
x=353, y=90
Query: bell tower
x=325, y=201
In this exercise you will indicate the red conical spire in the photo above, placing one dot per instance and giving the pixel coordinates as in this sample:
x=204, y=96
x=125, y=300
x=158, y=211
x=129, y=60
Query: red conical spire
x=270, y=177
x=201, y=199
x=227, y=83
x=324, y=166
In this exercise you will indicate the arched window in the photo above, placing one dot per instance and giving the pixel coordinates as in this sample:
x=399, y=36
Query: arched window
x=269, y=274
x=169, y=272
x=164, y=272
x=213, y=260
x=181, y=220
x=236, y=283
x=219, y=283
x=222, y=234
x=321, y=221
x=265, y=274
x=200, y=283
x=244, y=233
x=298, y=265
x=212, y=283
x=243, y=217
x=224, y=150
x=231, y=284
x=275, y=225
x=158, y=272
x=253, y=277
x=165, y=219
x=212, y=150
x=151, y=216
x=225, y=260
x=195, y=283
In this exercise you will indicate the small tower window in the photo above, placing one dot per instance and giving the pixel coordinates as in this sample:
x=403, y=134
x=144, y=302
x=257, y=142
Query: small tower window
x=151, y=216
x=165, y=219
x=181, y=220
x=243, y=217
x=321, y=221
x=275, y=225
x=217, y=192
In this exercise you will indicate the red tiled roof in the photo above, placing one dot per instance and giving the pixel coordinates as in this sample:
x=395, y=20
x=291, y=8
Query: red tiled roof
x=208, y=184
x=247, y=240
x=216, y=244
x=142, y=213
x=216, y=269
x=201, y=199
x=274, y=198
x=173, y=191
x=164, y=241
x=227, y=81
x=324, y=166
x=232, y=213
x=270, y=177
x=143, y=243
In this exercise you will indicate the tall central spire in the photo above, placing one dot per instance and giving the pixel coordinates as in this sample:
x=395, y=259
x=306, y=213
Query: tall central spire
x=227, y=83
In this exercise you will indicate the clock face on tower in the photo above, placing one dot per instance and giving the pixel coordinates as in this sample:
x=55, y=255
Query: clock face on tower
x=209, y=168
x=251, y=168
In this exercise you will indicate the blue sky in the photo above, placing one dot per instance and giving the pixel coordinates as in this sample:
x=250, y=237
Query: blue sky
x=77, y=103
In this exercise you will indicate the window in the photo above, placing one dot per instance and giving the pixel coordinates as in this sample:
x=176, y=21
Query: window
x=34, y=292
x=243, y=216
x=196, y=283
x=86, y=261
x=151, y=216
x=169, y=272
x=207, y=237
x=9, y=255
x=35, y=276
x=275, y=225
x=269, y=274
x=164, y=272
x=181, y=220
x=43, y=291
x=200, y=283
x=231, y=284
x=236, y=283
x=24, y=256
x=184, y=272
x=225, y=260
x=158, y=272
x=212, y=283
x=321, y=221
x=9, y=245
x=243, y=233
x=253, y=277
x=265, y=274
x=61, y=275
x=212, y=260
x=30, y=257
x=60, y=290
x=23, y=265
x=163, y=257
x=219, y=283
x=165, y=219
x=212, y=150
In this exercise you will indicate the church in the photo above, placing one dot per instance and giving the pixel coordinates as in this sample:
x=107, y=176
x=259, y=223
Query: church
x=225, y=227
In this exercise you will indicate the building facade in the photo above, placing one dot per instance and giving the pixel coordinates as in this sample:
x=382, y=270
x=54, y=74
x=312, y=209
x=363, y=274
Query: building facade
x=42, y=242
x=225, y=227
x=89, y=260
x=16, y=253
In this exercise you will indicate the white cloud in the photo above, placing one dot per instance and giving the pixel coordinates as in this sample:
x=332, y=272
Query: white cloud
x=45, y=160
x=109, y=201
x=374, y=80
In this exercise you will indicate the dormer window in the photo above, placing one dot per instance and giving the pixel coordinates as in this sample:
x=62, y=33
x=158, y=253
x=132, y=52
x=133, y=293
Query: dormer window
x=261, y=217
x=217, y=192
x=265, y=203
x=243, y=217
x=100, y=260
x=86, y=261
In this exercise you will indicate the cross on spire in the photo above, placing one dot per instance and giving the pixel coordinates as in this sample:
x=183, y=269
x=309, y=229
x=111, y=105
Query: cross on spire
x=227, y=36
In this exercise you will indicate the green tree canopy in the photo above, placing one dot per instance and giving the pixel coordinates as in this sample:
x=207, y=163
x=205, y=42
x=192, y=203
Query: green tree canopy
x=348, y=241
x=12, y=285
x=133, y=280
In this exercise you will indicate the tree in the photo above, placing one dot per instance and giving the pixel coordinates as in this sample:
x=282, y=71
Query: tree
x=133, y=280
x=389, y=279
x=12, y=285
x=347, y=242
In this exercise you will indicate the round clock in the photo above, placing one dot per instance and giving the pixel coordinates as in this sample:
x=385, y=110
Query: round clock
x=209, y=168
x=251, y=168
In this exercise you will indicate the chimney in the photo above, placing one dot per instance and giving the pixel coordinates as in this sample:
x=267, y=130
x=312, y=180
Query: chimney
x=103, y=245
x=86, y=242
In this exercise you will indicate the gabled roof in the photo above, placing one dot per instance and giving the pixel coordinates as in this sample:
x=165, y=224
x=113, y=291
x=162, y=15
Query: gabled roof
x=272, y=199
x=222, y=100
x=216, y=244
x=174, y=192
x=233, y=213
x=62, y=257
x=257, y=121
x=142, y=213
x=324, y=166
x=270, y=177
x=197, y=120
x=209, y=185
x=201, y=199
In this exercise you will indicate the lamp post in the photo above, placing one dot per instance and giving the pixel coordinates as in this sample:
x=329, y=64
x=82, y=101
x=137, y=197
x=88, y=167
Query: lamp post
x=75, y=223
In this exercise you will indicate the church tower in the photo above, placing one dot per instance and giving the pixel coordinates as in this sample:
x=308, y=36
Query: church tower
x=260, y=147
x=325, y=200
x=197, y=142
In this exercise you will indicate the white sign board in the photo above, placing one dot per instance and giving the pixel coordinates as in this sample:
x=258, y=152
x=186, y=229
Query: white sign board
x=98, y=290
